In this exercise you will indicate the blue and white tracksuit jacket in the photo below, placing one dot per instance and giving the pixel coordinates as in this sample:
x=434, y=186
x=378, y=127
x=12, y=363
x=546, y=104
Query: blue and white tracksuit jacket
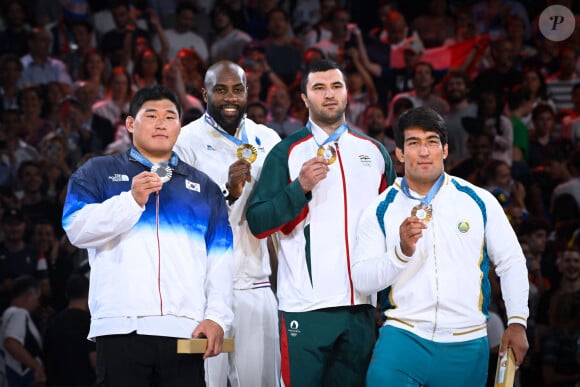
x=154, y=270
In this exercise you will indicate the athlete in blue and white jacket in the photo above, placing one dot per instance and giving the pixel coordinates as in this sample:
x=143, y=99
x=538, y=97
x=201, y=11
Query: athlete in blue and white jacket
x=160, y=249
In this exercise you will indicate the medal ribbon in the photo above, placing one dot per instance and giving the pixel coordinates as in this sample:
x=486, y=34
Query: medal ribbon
x=211, y=122
x=134, y=153
x=430, y=195
x=333, y=137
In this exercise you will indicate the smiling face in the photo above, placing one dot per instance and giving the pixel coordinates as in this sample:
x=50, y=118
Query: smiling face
x=423, y=155
x=226, y=95
x=155, y=128
x=326, y=97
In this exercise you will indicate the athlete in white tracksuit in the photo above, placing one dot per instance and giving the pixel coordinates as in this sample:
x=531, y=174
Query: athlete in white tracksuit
x=212, y=148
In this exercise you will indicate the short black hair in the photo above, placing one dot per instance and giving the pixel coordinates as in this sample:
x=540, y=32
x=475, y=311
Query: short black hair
x=23, y=284
x=423, y=117
x=152, y=93
x=77, y=287
x=320, y=66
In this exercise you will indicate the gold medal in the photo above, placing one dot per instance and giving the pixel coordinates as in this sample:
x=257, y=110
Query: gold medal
x=328, y=152
x=247, y=152
x=163, y=171
x=422, y=212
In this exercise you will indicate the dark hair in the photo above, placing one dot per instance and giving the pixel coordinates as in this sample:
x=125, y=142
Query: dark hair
x=319, y=66
x=456, y=74
x=28, y=163
x=185, y=5
x=7, y=58
x=542, y=108
x=77, y=287
x=488, y=172
x=138, y=68
x=23, y=284
x=372, y=106
x=543, y=90
x=258, y=104
x=423, y=117
x=277, y=10
x=533, y=224
x=152, y=93
x=518, y=95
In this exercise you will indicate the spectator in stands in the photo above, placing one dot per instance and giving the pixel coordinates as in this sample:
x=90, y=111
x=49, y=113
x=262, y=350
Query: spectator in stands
x=519, y=104
x=19, y=149
x=321, y=30
x=423, y=93
x=534, y=80
x=117, y=44
x=544, y=119
x=546, y=59
x=565, y=201
x=54, y=93
x=560, y=345
x=456, y=93
x=374, y=124
x=561, y=83
x=490, y=16
x=35, y=203
x=39, y=67
x=117, y=97
x=20, y=257
x=480, y=147
x=14, y=35
x=343, y=35
x=147, y=69
x=229, y=41
x=20, y=340
x=94, y=70
x=283, y=53
x=279, y=119
x=182, y=35
x=491, y=119
x=434, y=25
x=46, y=240
x=10, y=72
x=173, y=80
x=192, y=68
x=34, y=124
x=71, y=359
x=361, y=88
x=82, y=43
x=258, y=18
x=101, y=129
x=503, y=75
x=257, y=112
x=515, y=28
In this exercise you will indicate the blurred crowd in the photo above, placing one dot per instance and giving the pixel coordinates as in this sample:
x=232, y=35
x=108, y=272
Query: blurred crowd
x=510, y=96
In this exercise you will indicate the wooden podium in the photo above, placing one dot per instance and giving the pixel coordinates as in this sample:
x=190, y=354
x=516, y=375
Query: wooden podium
x=200, y=345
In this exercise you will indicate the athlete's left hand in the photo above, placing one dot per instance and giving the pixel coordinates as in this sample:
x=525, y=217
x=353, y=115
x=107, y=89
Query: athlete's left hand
x=515, y=338
x=214, y=334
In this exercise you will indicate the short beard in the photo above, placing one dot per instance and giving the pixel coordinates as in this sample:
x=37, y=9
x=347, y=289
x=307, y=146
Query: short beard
x=230, y=125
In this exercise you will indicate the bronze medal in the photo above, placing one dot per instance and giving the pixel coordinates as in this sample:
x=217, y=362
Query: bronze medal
x=422, y=212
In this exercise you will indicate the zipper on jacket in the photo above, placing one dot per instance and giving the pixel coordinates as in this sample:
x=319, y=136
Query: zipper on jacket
x=345, y=204
x=158, y=253
x=436, y=287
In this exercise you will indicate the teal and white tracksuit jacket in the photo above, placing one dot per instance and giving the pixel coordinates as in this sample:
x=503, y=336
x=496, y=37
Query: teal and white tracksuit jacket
x=441, y=293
